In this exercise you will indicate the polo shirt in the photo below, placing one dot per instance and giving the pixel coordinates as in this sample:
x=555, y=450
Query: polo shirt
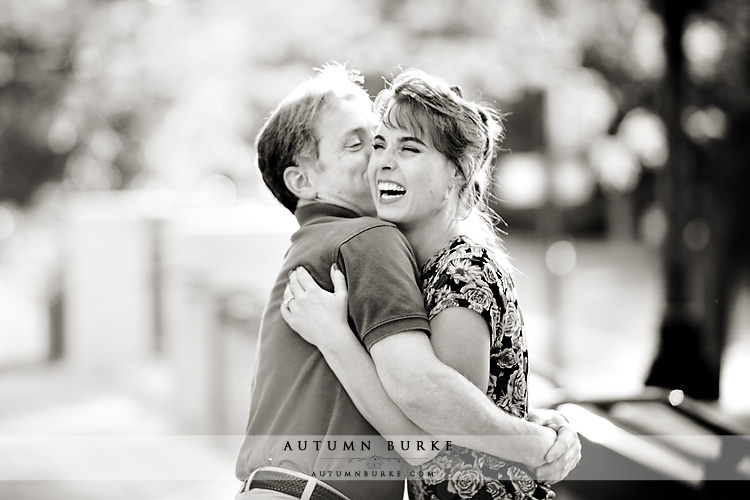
x=297, y=401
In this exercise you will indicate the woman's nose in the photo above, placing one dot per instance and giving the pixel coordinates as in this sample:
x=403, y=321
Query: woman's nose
x=386, y=160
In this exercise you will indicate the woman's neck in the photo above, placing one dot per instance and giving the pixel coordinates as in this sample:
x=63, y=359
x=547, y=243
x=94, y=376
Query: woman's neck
x=427, y=238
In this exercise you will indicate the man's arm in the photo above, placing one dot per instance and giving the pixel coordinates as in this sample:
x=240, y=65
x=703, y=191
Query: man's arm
x=320, y=317
x=430, y=393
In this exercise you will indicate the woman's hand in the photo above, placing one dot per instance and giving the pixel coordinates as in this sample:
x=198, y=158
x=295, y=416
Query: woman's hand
x=316, y=314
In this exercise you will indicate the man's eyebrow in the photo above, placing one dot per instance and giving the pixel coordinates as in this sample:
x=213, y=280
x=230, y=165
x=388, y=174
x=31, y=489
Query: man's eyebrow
x=357, y=131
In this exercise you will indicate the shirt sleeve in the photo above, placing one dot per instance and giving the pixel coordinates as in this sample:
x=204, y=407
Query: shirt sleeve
x=381, y=274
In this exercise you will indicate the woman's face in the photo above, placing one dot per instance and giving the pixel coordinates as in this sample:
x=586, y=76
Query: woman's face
x=408, y=177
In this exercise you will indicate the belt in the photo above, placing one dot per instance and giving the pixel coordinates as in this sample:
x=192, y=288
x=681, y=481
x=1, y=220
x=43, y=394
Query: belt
x=291, y=483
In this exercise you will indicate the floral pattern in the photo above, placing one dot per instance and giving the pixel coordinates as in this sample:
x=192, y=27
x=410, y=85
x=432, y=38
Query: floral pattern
x=464, y=274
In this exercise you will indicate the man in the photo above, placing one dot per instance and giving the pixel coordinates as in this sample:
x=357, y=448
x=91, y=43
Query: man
x=313, y=153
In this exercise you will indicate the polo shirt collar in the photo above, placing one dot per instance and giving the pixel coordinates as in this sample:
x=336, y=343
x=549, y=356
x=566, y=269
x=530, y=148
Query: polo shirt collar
x=306, y=213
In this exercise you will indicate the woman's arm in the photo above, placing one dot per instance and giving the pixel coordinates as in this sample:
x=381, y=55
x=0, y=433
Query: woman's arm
x=461, y=340
x=320, y=318
x=433, y=393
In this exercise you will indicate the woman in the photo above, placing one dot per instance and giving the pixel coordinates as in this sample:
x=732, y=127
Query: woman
x=430, y=175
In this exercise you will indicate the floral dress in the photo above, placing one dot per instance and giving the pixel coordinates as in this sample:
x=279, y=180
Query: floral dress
x=464, y=274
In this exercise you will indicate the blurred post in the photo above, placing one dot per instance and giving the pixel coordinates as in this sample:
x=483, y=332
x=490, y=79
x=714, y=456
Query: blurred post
x=108, y=294
x=215, y=255
x=680, y=362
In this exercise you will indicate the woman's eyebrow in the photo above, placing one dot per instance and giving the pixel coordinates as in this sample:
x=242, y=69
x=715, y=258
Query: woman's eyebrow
x=412, y=139
x=401, y=140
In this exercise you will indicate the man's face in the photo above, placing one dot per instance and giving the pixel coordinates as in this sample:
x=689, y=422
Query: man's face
x=344, y=133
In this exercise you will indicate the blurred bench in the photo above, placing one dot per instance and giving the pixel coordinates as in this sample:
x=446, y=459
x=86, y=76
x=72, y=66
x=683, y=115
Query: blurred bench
x=658, y=444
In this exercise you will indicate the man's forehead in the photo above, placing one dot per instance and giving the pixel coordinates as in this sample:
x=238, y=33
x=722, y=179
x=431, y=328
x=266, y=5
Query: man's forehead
x=344, y=121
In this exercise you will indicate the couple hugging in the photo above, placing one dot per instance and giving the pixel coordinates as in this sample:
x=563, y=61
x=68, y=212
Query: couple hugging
x=392, y=351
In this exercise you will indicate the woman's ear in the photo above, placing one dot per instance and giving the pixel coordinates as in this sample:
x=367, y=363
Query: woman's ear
x=458, y=175
x=458, y=178
x=297, y=180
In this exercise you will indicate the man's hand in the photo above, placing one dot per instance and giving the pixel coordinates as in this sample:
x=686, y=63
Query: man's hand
x=564, y=454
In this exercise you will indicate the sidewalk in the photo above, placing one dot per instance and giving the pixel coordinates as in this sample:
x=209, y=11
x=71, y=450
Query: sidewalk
x=70, y=437
x=74, y=436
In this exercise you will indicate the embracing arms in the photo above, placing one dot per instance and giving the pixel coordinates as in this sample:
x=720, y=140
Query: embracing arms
x=402, y=383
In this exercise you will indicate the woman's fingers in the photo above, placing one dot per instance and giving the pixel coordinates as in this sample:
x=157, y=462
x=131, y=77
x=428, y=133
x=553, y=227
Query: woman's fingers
x=294, y=283
x=305, y=279
x=288, y=293
x=339, y=281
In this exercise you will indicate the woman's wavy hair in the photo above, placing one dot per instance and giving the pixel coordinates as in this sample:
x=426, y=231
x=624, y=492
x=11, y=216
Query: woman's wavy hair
x=287, y=137
x=468, y=133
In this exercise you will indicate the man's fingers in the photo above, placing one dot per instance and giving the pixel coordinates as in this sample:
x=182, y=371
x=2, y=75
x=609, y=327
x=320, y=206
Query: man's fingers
x=536, y=418
x=558, y=449
x=567, y=438
x=559, y=469
x=550, y=473
x=556, y=471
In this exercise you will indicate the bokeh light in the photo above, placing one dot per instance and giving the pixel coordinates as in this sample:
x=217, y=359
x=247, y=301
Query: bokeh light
x=705, y=43
x=573, y=183
x=705, y=124
x=616, y=164
x=645, y=134
x=676, y=397
x=561, y=257
x=522, y=180
x=7, y=221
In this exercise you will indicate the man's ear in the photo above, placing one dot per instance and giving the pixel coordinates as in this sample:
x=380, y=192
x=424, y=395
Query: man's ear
x=297, y=180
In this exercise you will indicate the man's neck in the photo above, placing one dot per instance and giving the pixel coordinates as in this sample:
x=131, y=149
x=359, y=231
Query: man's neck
x=339, y=203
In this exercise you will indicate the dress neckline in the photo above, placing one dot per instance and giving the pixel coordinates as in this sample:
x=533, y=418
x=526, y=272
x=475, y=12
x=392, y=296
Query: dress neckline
x=445, y=249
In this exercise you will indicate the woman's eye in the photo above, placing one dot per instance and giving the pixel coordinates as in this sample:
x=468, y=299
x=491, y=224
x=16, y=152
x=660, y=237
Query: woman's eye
x=378, y=146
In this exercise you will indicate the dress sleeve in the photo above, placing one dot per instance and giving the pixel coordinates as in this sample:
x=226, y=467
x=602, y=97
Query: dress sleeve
x=470, y=282
x=381, y=273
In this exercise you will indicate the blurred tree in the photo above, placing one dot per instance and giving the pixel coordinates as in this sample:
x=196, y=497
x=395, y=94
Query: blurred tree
x=64, y=113
x=34, y=72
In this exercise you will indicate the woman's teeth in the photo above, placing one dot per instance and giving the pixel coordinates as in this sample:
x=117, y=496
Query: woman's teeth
x=391, y=189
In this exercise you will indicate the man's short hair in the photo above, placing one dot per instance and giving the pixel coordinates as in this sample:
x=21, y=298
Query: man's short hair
x=287, y=137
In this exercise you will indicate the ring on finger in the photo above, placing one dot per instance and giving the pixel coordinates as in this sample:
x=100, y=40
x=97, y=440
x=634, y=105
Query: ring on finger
x=287, y=301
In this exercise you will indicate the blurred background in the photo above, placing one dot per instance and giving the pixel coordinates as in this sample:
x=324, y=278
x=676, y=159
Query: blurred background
x=138, y=243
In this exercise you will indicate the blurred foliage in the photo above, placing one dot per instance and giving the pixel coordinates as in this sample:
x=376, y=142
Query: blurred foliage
x=122, y=93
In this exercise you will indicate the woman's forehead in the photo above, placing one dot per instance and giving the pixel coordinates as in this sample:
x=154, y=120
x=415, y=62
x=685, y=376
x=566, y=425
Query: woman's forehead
x=414, y=121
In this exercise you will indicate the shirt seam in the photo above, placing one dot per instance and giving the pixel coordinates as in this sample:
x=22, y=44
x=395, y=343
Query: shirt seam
x=358, y=231
x=392, y=320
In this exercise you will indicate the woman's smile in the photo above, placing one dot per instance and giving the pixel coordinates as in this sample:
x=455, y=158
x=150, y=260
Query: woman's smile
x=389, y=192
